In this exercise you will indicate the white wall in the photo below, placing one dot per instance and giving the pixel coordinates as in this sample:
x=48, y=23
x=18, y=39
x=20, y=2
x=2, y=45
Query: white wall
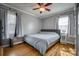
x=30, y=24
x=49, y=23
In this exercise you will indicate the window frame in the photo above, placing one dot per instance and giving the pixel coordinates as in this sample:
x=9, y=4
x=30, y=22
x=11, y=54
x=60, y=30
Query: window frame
x=66, y=31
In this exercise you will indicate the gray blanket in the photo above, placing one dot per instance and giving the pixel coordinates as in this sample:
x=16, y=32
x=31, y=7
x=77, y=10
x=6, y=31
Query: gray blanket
x=41, y=41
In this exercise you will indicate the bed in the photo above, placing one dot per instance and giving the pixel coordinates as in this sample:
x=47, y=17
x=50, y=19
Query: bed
x=43, y=40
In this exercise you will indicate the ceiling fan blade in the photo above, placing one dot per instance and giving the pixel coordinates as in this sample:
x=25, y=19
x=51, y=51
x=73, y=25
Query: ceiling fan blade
x=48, y=4
x=47, y=9
x=35, y=8
x=40, y=4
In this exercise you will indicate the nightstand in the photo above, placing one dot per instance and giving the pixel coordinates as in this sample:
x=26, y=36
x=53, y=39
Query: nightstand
x=63, y=38
x=18, y=40
x=15, y=40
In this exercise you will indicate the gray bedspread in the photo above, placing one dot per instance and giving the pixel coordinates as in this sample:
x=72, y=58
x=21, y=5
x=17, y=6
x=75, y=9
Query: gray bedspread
x=42, y=40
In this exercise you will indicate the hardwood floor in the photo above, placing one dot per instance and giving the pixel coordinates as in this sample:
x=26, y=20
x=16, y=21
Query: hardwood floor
x=1, y=51
x=26, y=50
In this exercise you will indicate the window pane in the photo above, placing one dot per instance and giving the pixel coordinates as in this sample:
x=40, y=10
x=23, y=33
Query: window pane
x=63, y=24
x=11, y=22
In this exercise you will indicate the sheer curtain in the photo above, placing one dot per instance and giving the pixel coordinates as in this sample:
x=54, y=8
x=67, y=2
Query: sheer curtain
x=3, y=16
x=10, y=24
x=18, y=29
x=71, y=29
x=2, y=33
x=71, y=26
x=56, y=24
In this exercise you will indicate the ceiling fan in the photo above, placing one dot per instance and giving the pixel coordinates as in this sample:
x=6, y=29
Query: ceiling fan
x=42, y=7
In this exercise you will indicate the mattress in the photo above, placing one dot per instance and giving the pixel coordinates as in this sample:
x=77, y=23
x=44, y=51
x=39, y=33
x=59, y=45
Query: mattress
x=41, y=41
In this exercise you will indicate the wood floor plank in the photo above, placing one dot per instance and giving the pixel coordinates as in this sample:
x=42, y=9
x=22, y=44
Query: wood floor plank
x=26, y=50
x=1, y=51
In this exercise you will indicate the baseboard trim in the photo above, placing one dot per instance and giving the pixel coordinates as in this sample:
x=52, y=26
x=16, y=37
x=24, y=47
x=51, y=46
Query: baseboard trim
x=13, y=44
x=71, y=42
x=67, y=42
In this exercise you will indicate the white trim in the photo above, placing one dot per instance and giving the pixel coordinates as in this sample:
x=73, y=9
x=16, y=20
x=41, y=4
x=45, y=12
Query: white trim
x=13, y=44
x=70, y=42
x=67, y=42
x=19, y=10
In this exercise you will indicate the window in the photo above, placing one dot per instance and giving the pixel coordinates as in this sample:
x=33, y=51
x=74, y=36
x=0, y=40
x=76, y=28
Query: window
x=63, y=24
x=11, y=22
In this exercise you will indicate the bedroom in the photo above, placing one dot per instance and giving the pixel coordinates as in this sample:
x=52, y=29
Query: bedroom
x=49, y=30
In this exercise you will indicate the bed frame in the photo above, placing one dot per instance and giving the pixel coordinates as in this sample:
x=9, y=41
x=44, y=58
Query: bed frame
x=51, y=30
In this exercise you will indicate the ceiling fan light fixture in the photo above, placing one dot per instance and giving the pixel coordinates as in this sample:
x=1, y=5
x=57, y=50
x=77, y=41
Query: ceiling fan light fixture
x=42, y=9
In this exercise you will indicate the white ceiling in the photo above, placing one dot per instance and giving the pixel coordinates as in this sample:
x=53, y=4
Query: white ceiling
x=55, y=8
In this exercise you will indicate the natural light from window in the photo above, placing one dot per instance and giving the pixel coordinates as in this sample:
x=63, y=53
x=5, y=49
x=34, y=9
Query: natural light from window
x=63, y=24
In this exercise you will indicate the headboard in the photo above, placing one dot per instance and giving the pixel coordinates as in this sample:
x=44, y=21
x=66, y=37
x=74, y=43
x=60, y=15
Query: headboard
x=51, y=30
